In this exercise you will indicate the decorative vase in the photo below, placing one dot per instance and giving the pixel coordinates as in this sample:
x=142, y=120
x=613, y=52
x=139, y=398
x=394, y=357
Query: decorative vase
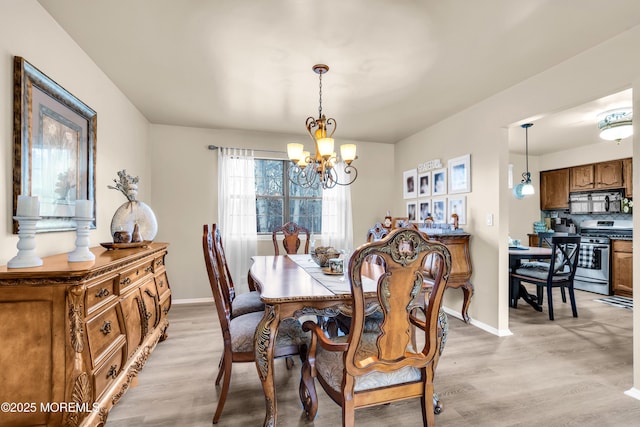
x=135, y=214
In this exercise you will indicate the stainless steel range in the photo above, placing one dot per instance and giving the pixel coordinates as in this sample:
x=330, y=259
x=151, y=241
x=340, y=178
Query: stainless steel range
x=593, y=273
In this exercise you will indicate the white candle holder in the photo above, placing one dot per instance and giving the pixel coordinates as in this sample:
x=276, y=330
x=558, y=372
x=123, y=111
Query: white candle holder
x=26, y=256
x=82, y=252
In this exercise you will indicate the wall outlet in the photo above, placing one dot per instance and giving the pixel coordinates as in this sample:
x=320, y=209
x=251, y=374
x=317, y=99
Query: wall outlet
x=489, y=219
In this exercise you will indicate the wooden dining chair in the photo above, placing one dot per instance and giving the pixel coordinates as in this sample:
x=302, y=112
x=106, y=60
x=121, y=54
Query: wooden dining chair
x=559, y=274
x=291, y=241
x=238, y=332
x=377, y=232
x=373, y=368
x=243, y=303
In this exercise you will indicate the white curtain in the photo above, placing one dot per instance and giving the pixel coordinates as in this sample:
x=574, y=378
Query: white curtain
x=237, y=211
x=337, y=222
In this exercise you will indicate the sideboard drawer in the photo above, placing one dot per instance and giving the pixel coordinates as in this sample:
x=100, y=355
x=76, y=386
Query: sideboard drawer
x=162, y=284
x=101, y=293
x=129, y=277
x=108, y=371
x=102, y=332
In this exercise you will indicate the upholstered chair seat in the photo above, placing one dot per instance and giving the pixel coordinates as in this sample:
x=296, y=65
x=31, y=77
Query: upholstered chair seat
x=243, y=328
x=248, y=302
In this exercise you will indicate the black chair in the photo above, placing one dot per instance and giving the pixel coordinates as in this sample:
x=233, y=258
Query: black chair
x=559, y=274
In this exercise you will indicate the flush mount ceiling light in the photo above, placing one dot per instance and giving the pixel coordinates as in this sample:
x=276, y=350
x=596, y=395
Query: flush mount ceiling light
x=616, y=125
x=319, y=169
x=525, y=188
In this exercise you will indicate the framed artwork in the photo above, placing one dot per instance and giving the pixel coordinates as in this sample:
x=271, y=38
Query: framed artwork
x=424, y=209
x=439, y=182
x=409, y=183
x=439, y=213
x=54, y=138
x=399, y=222
x=424, y=184
x=458, y=205
x=460, y=174
x=412, y=208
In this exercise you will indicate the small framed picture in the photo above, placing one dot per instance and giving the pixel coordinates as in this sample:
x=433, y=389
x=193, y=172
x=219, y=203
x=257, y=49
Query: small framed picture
x=399, y=222
x=439, y=182
x=412, y=208
x=424, y=184
x=424, y=209
x=439, y=213
x=460, y=174
x=458, y=205
x=409, y=183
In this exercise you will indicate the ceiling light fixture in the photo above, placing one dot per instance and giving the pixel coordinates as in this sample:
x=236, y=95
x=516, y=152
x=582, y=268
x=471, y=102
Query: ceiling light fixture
x=319, y=169
x=525, y=188
x=616, y=125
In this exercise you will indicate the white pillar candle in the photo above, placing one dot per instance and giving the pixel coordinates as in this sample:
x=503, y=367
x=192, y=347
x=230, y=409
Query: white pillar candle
x=84, y=209
x=28, y=206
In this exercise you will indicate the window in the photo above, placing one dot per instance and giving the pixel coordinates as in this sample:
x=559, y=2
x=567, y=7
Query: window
x=278, y=200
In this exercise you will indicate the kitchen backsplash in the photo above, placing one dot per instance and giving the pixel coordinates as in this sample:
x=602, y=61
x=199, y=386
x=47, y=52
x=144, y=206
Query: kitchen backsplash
x=561, y=221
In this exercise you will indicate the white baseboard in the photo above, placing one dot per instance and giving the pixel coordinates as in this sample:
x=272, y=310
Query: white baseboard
x=480, y=325
x=192, y=301
x=633, y=392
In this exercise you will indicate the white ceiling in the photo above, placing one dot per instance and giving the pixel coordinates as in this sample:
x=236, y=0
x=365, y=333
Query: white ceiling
x=396, y=66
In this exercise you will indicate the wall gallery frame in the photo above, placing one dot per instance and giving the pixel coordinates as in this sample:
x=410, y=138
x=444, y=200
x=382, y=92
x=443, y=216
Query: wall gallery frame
x=424, y=209
x=458, y=205
x=424, y=184
x=460, y=174
x=439, y=213
x=409, y=183
x=54, y=144
x=412, y=208
x=439, y=182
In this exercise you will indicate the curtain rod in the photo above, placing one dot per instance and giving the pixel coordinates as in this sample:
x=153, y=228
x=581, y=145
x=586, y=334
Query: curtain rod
x=215, y=147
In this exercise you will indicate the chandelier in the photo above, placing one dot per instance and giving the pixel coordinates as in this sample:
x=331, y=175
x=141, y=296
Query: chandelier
x=320, y=169
x=616, y=124
x=525, y=188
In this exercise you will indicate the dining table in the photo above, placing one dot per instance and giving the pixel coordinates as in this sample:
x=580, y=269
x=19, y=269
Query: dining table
x=294, y=286
x=516, y=289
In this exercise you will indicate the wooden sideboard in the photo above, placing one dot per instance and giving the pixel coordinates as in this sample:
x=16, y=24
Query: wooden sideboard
x=74, y=335
x=458, y=245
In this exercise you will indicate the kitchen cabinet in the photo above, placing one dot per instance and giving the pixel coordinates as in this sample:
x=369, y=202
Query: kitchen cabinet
x=78, y=333
x=597, y=176
x=609, y=175
x=554, y=189
x=622, y=267
x=582, y=178
x=627, y=170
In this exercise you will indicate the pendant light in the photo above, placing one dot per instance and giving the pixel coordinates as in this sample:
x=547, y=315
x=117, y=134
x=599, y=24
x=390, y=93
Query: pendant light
x=525, y=188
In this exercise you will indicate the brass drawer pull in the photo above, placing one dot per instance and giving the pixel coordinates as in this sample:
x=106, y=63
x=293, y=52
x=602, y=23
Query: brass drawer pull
x=106, y=327
x=148, y=292
x=161, y=283
x=165, y=310
x=159, y=262
x=126, y=281
x=113, y=372
x=103, y=292
x=147, y=315
x=149, y=269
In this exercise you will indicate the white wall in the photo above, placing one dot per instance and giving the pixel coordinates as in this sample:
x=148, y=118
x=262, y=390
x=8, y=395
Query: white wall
x=122, y=132
x=185, y=193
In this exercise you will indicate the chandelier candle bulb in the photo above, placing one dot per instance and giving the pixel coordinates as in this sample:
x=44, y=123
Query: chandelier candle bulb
x=28, y=206
x=325, y=147
x=84, y=209
x=295, y=152
x=348, y=152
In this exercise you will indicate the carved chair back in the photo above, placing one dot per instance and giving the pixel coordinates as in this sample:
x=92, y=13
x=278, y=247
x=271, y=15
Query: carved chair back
x=217, y=280
x=376, y=233
x=291, y=241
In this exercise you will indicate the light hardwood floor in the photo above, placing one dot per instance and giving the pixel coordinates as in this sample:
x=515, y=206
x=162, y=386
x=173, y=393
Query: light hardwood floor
x=569, y=372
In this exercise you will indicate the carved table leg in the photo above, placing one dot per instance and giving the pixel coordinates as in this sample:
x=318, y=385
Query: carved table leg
x=265, y=338
x=467, y=289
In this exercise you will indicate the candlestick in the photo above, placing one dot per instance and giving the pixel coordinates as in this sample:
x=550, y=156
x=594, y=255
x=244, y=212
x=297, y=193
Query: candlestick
x=82, y=252
x=26, y=256
x=84, y=209
x=28, y=206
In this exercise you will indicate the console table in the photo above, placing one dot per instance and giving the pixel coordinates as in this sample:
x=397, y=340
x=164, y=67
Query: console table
x=74, y=335
x=458, y=245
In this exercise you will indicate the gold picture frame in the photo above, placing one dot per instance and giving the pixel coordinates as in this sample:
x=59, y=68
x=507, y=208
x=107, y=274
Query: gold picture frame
x=54, y=145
